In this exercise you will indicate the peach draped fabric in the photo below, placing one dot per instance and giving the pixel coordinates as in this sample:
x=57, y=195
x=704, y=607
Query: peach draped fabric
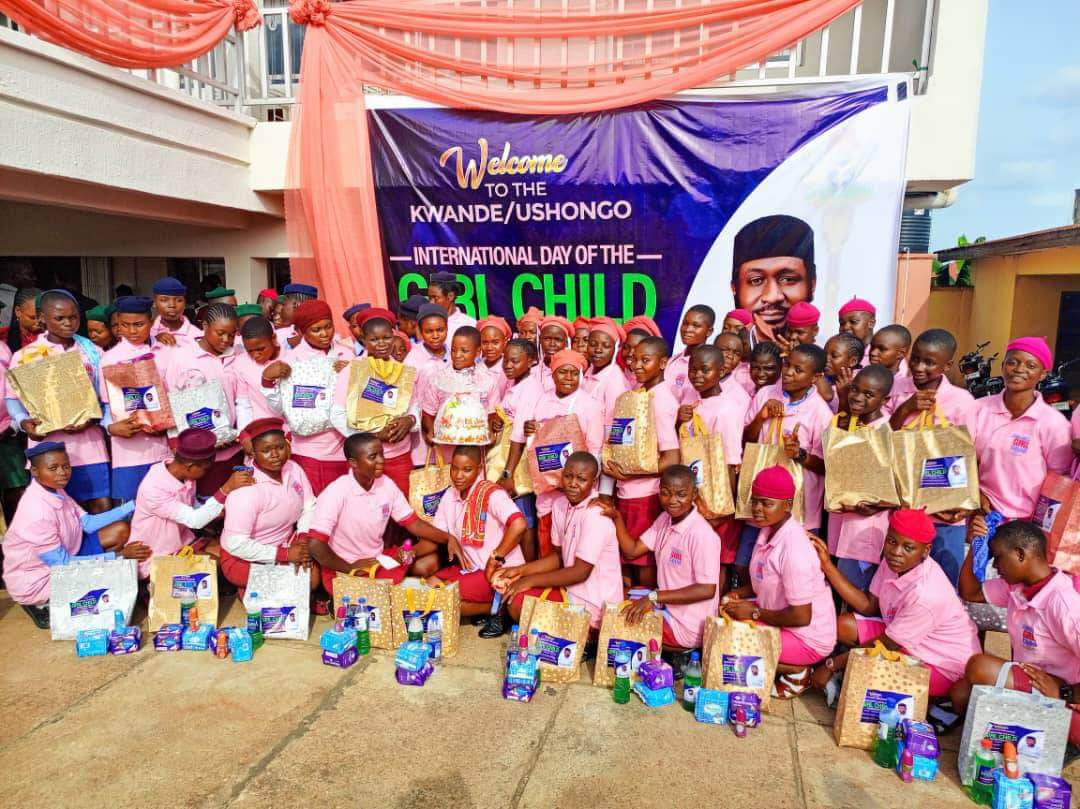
x=134, y=33
x=534, y=57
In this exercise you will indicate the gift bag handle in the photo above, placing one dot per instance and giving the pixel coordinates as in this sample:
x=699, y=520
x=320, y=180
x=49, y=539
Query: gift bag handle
x=371, y=571
x=188, y=553
x=776, y=431
x=387, y=370
x=694, y=427
x=852, y=425
x=410, y=599
x=879, y=649
x=731, y=621
x=1003, y=676
x=439, y=462
x=562, y=594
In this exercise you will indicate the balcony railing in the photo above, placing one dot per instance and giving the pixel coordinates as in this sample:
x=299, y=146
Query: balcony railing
x=258, y=71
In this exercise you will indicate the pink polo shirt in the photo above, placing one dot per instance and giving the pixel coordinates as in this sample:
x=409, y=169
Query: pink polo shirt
x=664, y=410
x=477, y=380
x=723, y=414
x=741, y=377
x=191, y=365
x=521, y=397
x=812, y=415
x=456, y=320
x=605, y=385
x=687, y=553
x=161, y=495
x=631, y=380
x=427, y=365
x=501, y=512
x=141, y=448
x=5, y=354
x=1015, y=454
x=327, y=445
x=785, y=571
x=44, y=521
x=267, y=511
x=355, y=518
x=853, y=536
x=923, y=613
x=187, y=333
x=1045, y=631
x=582, y=532
x=5, y=392
x=501, y=382
x=954, y=403
x=247, y=380
x=86, y=446
x=677, y=375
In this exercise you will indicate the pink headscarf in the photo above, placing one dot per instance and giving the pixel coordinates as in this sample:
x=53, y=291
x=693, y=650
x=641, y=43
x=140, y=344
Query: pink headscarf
x=1036, y=347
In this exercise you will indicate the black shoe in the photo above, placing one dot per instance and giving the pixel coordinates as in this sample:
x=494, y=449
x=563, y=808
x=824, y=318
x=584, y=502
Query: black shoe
x=678, y=662
x=479, y=620
x=589, y=652
x=495, y=627
x=40, y=615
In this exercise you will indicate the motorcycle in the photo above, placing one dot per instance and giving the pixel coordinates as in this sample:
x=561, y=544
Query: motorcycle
x=976, y=370
x=1055, y=390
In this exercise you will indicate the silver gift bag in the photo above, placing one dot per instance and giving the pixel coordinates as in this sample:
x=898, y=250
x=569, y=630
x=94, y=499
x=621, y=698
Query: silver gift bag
x=307, y=396
x=282, y=594
x=202, y=405
x=86, y=593
x=1038, y=725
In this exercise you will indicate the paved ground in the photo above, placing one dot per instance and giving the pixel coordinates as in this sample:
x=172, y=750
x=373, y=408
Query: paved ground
x=186, y=730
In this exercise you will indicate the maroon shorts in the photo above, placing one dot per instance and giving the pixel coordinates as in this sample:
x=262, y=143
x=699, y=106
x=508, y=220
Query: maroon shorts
x=544, y=545
x=398, y=469
x=396, y=575
x=639, y=513
x=554, y=594
x=321, y=474
x=474, y=586
x=667, y=637
x=1021, y=682
x=218, y=474
x=728, y=530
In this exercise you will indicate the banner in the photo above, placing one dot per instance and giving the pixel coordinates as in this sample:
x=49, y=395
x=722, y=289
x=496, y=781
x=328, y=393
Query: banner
x=757, y=202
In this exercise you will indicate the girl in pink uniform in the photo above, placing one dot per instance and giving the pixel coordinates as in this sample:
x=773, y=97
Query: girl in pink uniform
x=736, y=320
x=261, y=348
x=528, y=326
x=443, y=290
x=495, y=333
x=604, y=380
x=555, y=334
x=687, y=554
x=696, y=329
x=319, y=455
x=582, y=329
x=351, y=516
x=735, y=371
x=909, y=606
x=858, y=317
x=429, y=357
x=787, y=588
x=265, y=523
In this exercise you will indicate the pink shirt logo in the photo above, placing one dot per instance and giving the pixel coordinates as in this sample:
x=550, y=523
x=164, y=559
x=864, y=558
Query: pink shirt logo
x=386, y=511
x=675, y=559
x=1020, y=444
x=297, y=488
x=759, y=571
x=1027, y=637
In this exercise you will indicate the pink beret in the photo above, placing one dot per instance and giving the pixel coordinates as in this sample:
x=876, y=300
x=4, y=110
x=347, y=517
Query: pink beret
x=913, y=523
x=569, y=357
x=496, y=322
x=561, y=322
x=646, y=324
x=857, y=305
x=272, y=294
x=803, y=314
x=774, y=482
x=741, y=315
x=533, y=315
x=1036, y=347
x=608, y=327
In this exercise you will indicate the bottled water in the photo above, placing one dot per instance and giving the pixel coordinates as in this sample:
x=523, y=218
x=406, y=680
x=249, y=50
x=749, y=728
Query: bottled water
x=363, y=628
x=621, y=692
x=691, y=682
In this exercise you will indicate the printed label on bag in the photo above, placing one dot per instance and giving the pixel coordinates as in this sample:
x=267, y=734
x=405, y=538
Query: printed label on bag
x=192, y=585
x=278, y=620
x=95, y=602
x=949, y=472
x=746, y=671
x=621, y=433
x=201, y=419
x=698, y=468
x=1046, y=511
x=432, y=620
x=553, y=457
x=307, y=396
x=878, y=702
x=557, y=651
x=637, y=652
x=380, y=392
x=1030, y=742
x=142, y=398
x=430, y=502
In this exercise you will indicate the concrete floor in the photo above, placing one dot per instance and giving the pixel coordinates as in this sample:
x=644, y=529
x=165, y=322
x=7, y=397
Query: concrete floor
x=186, y=730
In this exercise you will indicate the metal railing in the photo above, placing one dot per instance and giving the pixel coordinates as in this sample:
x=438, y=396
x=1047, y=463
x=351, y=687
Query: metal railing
x=258, y=71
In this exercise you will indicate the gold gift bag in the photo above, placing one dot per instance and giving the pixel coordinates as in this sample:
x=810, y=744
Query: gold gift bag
x=187, y=576
x=761, y=456
x=564, y=630
x=703, y=452
x=376, y=594
x=554, y=441
x=616, y=634
x=858, y=465
x=935, y=466
x=631, y=440
x=498, y=454
x=379, y=390
x=427, y=486
x=877, y=680
x=55, y=389
x=740, y=656
x=437, y=604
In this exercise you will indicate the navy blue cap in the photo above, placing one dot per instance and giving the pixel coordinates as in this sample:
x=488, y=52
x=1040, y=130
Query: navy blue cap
x=432, y=310
x=169, y=286
x=63, y=292
x=354, y=310
x=45, y=446
x=134, y=304
x=410, y=307
x=301, y=289
x=442, y=277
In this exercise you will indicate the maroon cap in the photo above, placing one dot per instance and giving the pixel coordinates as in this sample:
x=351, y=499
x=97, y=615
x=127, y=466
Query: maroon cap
x=195, y=444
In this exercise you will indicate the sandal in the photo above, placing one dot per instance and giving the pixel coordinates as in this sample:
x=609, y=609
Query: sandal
x=39, y=614
x=789, y=686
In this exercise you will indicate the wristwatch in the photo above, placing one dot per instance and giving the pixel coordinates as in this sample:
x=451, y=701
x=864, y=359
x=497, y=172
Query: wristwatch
x=506, y=474
x=802, y=456
x=829, y=663
x=1066, y=694
x=654, y=597
x=498, y=558
x=756, y=614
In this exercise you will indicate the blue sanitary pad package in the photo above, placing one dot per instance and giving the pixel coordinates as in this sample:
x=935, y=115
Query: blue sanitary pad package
x=654, y=697
x=197, y=640
x=91, y=642
x=711, y=706
x=412, y=655
x=169, y=638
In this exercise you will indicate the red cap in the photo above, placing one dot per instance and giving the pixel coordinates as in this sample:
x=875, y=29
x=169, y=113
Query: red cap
x=272, y=294
x=569, y=357
x=402, y=335
x=644, y=323
x=373, y=313
x=913, y=523
x=608, y=327
x=857, y=305
x=311, y=312
x=774, y=482
x=803, y=314
x=496, y=322
x=741, y=315
x=261, y=426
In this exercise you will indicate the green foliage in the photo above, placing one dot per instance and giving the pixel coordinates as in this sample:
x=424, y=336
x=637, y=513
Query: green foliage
x=963, y=267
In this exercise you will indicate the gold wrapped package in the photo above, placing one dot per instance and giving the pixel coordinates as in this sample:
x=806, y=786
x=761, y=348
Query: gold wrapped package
x=379, y=390
x=616, y=634
x=498, y=455
x=703, y=452
x=877, y=680
x=554, y=441
x=761, y=456
x=935, y=466
x=376, y=594
x=187, y=576
x=563, y=629
x=55, y=389
x=438, y=606
x=427, y=486
x=740, y=656
x=631, y=439
x=858, y=465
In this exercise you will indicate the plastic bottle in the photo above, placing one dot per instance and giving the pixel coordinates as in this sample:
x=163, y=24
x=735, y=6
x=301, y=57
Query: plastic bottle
x=1010, y=763
x=339, y=623
x=415, y=628
x=691, y=682
x=512, y=646
x=434, y=641
x=193, y=617
x=534, y=642
x=885, y=744
x=407, y=553
x=254, y=621
x=907, y=766
x=981, y=790
x=347, y=621
x=222, y=650
x=185, y=610
x=621, y=692
x=363, y=628
x=654, y=649
x=740, y=722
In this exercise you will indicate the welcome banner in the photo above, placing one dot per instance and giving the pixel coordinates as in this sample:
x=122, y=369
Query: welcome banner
x=752, y=201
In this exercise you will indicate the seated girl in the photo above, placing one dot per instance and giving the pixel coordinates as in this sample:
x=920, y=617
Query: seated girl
x=265, y=522
x=787, y=583
x=585, y=551
x=909, y=606
x=687, y=554
x=352, y=513
x=50, y=527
